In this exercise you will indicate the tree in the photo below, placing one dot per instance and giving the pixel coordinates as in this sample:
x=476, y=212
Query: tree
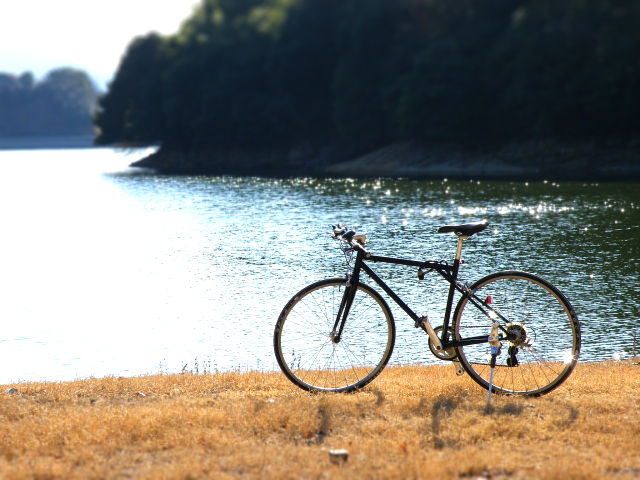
x=61, y=104
x=277, y=73
x=132, y=110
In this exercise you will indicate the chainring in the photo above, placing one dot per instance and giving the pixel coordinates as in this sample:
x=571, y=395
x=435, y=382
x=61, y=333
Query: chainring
x=445, y=353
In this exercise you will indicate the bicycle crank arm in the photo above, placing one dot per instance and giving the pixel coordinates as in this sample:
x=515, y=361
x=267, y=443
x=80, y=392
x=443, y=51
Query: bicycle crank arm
x=423, y=322
x=457, y=367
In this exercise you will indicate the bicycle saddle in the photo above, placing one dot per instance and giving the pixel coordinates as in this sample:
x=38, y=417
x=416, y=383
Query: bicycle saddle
x=465, y=230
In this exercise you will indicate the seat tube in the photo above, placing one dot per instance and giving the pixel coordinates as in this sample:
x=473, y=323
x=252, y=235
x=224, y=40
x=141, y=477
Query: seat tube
x=452, y=287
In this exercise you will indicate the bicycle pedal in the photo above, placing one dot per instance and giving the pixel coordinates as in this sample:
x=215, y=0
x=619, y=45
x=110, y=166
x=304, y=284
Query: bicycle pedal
x=457, y=367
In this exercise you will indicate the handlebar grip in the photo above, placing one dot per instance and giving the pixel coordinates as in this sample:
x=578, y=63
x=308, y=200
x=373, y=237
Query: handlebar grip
x=339, y=229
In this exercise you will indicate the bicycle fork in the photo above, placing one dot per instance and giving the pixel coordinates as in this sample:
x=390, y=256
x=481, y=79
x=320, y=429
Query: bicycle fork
x=343, y=311
x=352, y=281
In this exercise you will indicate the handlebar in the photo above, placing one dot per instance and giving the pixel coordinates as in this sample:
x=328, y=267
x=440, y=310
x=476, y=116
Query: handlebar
x=357, y=242
x=339, y=230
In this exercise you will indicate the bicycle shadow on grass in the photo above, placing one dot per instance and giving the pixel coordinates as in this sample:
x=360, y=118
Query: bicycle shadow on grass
x=444, y=410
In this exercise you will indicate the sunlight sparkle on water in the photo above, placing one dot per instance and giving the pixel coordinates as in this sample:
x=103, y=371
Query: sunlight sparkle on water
x=617, y=356
x=567, y=357
x=432, y=213
x=472, y=210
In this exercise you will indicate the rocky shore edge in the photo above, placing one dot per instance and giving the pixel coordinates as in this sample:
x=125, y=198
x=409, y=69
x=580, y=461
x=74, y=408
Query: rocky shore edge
x=531, y=160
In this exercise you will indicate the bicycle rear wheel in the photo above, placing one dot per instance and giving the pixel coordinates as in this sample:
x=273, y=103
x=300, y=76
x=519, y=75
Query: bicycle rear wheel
x=304, y=347
x=543, y=327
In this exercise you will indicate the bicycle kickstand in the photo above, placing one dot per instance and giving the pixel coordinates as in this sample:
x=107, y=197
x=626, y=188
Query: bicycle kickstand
x=495, y=351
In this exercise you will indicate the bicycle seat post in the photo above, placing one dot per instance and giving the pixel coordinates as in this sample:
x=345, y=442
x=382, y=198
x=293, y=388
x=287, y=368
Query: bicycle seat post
x=458, y=259
x=461, y=239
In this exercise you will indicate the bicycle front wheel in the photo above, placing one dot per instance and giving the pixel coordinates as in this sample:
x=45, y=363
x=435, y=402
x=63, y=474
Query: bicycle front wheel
x=541, y=324
x=304, y=345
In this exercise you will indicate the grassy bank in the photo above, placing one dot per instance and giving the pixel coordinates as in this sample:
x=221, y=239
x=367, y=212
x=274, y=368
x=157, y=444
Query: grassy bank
x=412, y=422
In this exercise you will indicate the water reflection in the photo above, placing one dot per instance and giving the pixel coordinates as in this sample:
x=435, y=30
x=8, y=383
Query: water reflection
x=126, y=272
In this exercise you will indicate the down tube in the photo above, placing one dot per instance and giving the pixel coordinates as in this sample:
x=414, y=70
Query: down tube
x=390, y=292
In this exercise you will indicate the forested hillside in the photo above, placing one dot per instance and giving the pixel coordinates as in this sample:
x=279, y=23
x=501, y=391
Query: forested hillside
x=60, y=104
x=281, y=73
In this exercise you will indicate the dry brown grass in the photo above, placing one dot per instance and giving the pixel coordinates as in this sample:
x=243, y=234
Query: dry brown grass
x=412, y=422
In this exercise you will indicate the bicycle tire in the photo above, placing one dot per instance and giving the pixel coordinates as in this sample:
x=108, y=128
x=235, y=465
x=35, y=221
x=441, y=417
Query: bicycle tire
x=547, y=344
x=304, y=349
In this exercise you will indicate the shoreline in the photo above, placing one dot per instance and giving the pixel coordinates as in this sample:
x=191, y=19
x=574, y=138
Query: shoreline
x=534, y=160
x=46, y=142
x=24, y=387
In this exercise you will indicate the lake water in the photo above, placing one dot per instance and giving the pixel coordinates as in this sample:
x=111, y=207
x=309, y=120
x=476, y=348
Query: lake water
x=108, y=270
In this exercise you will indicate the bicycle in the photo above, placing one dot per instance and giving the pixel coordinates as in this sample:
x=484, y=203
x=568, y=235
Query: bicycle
x=512, y=332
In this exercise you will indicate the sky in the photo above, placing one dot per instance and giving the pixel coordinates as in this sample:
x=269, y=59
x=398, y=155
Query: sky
x=40, y=35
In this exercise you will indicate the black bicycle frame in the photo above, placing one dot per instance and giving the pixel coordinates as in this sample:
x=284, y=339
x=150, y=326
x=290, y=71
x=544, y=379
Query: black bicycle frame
x=448, y=272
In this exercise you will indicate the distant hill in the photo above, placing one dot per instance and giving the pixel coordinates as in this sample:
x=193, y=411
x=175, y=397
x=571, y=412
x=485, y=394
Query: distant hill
x=62, y=104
